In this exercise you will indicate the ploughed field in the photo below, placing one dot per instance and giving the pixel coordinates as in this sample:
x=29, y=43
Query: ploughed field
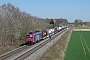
x=79, y=46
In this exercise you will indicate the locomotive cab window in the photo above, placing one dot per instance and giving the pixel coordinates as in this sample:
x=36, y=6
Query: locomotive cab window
x=29, y=36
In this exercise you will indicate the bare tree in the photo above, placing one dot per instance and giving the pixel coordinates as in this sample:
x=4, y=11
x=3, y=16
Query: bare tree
x=14, y=25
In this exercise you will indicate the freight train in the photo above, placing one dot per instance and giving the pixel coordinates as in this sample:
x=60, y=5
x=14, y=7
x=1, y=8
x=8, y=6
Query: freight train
x=33, y=37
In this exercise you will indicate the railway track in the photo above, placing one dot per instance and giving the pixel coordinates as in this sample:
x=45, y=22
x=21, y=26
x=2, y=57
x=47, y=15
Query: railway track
x=9, y=54
x=25, y=51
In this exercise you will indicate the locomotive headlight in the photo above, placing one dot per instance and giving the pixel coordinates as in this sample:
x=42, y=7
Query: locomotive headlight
x=30, y=35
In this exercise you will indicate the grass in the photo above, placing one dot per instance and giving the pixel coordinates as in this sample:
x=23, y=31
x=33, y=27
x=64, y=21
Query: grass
x=52, y=56
x=78, y=47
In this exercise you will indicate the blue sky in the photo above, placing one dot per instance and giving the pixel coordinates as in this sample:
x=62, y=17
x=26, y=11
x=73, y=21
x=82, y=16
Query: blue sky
x=68, y=9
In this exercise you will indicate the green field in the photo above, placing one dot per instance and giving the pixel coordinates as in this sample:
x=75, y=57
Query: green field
x=79, y=46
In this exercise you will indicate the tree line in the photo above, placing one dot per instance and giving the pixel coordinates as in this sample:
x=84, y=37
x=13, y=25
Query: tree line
x=15, y=24
x=79, y=23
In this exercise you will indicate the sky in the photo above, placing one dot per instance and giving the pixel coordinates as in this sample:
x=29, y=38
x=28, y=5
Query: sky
x=67, y=9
